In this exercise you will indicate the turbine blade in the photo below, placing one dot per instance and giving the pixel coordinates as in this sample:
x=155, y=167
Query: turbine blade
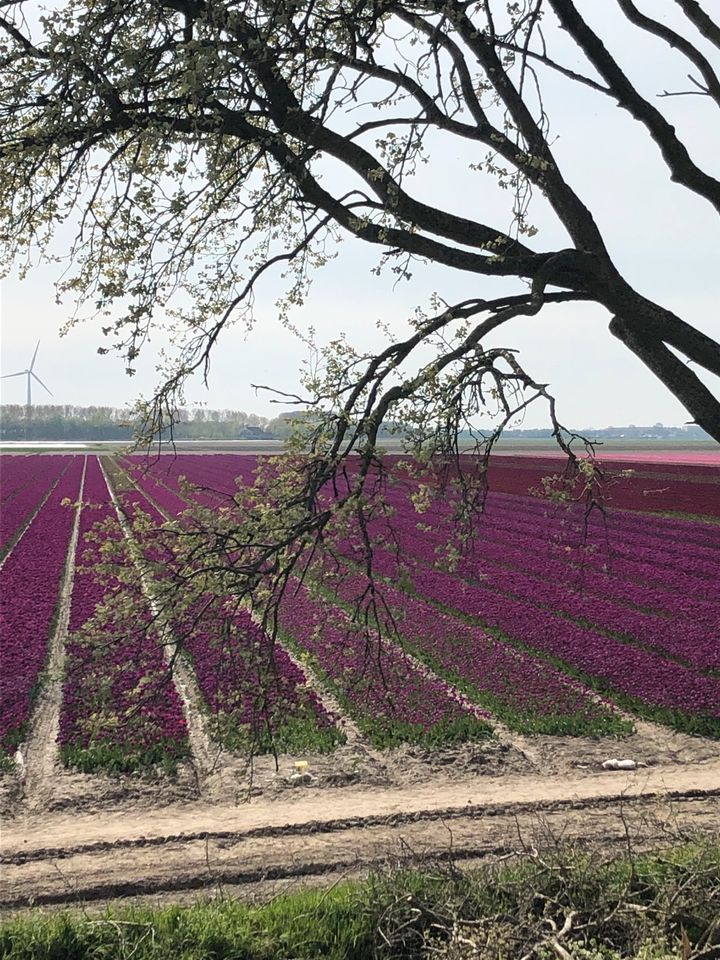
x=41, y=383
x=6, y=376
x=32, y=362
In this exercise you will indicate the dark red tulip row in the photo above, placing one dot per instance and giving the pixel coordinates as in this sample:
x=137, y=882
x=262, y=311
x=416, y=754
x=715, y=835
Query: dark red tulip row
x=650, y=488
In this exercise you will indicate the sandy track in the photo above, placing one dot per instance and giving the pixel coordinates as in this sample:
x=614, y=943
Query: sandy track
x=61, y=858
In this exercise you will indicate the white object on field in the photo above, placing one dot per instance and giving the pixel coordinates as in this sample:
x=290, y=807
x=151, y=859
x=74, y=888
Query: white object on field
x=300, y=779
x=616, y=764
x=20, y=761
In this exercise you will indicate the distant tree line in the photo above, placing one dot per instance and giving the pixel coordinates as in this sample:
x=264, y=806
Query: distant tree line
x=69, y=422
x=632, y=432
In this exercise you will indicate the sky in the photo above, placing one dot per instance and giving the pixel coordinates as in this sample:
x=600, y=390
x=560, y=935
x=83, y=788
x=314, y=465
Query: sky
x=665, y=240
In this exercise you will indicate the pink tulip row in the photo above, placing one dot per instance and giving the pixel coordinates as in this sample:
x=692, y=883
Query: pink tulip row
x=30, y=582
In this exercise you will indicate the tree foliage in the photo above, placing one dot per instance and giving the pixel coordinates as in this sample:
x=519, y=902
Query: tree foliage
x=194, y=146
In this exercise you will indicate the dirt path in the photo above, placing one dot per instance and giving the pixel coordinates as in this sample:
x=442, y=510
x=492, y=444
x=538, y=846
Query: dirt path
x=56, y=858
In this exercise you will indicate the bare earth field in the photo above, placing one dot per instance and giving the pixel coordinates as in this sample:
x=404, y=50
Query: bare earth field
x=85, y=838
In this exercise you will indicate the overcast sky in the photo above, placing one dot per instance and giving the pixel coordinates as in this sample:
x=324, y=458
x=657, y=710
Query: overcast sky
x=665, y=240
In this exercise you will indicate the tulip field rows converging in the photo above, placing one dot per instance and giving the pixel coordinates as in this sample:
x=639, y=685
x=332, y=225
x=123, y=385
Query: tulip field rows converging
x=545, y=622
x=629, y=608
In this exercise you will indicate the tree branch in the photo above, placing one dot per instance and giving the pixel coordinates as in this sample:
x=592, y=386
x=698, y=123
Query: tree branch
x=675, y=40
x=682, y=169
x=686, y=385
x=695, y=13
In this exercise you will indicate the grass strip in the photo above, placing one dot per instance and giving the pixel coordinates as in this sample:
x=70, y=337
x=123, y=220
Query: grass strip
x=595, y=905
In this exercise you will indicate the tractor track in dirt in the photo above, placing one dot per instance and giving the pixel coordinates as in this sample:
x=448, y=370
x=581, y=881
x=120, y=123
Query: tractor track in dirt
x=201, y=848
x=351, y=823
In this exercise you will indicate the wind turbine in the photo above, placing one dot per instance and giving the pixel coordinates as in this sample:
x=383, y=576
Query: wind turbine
x=30, y=374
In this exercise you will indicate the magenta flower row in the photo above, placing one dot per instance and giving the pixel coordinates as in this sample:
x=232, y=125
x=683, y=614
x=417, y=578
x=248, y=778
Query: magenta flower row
x=654, y=489
x=635, y=551
x=118, y=692
x=379, y=687
x=592, y=557
x=30, y=581
x=630, y=670
x=377, y=683
x=687, y=639
x=17, y=471
x=24, y=486
x=240, y=672
x=521, y=688
x=511, y=553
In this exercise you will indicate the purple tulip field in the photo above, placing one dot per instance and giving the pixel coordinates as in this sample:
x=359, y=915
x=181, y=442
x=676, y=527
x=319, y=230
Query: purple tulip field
x=544, y=621
x=543, y=624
